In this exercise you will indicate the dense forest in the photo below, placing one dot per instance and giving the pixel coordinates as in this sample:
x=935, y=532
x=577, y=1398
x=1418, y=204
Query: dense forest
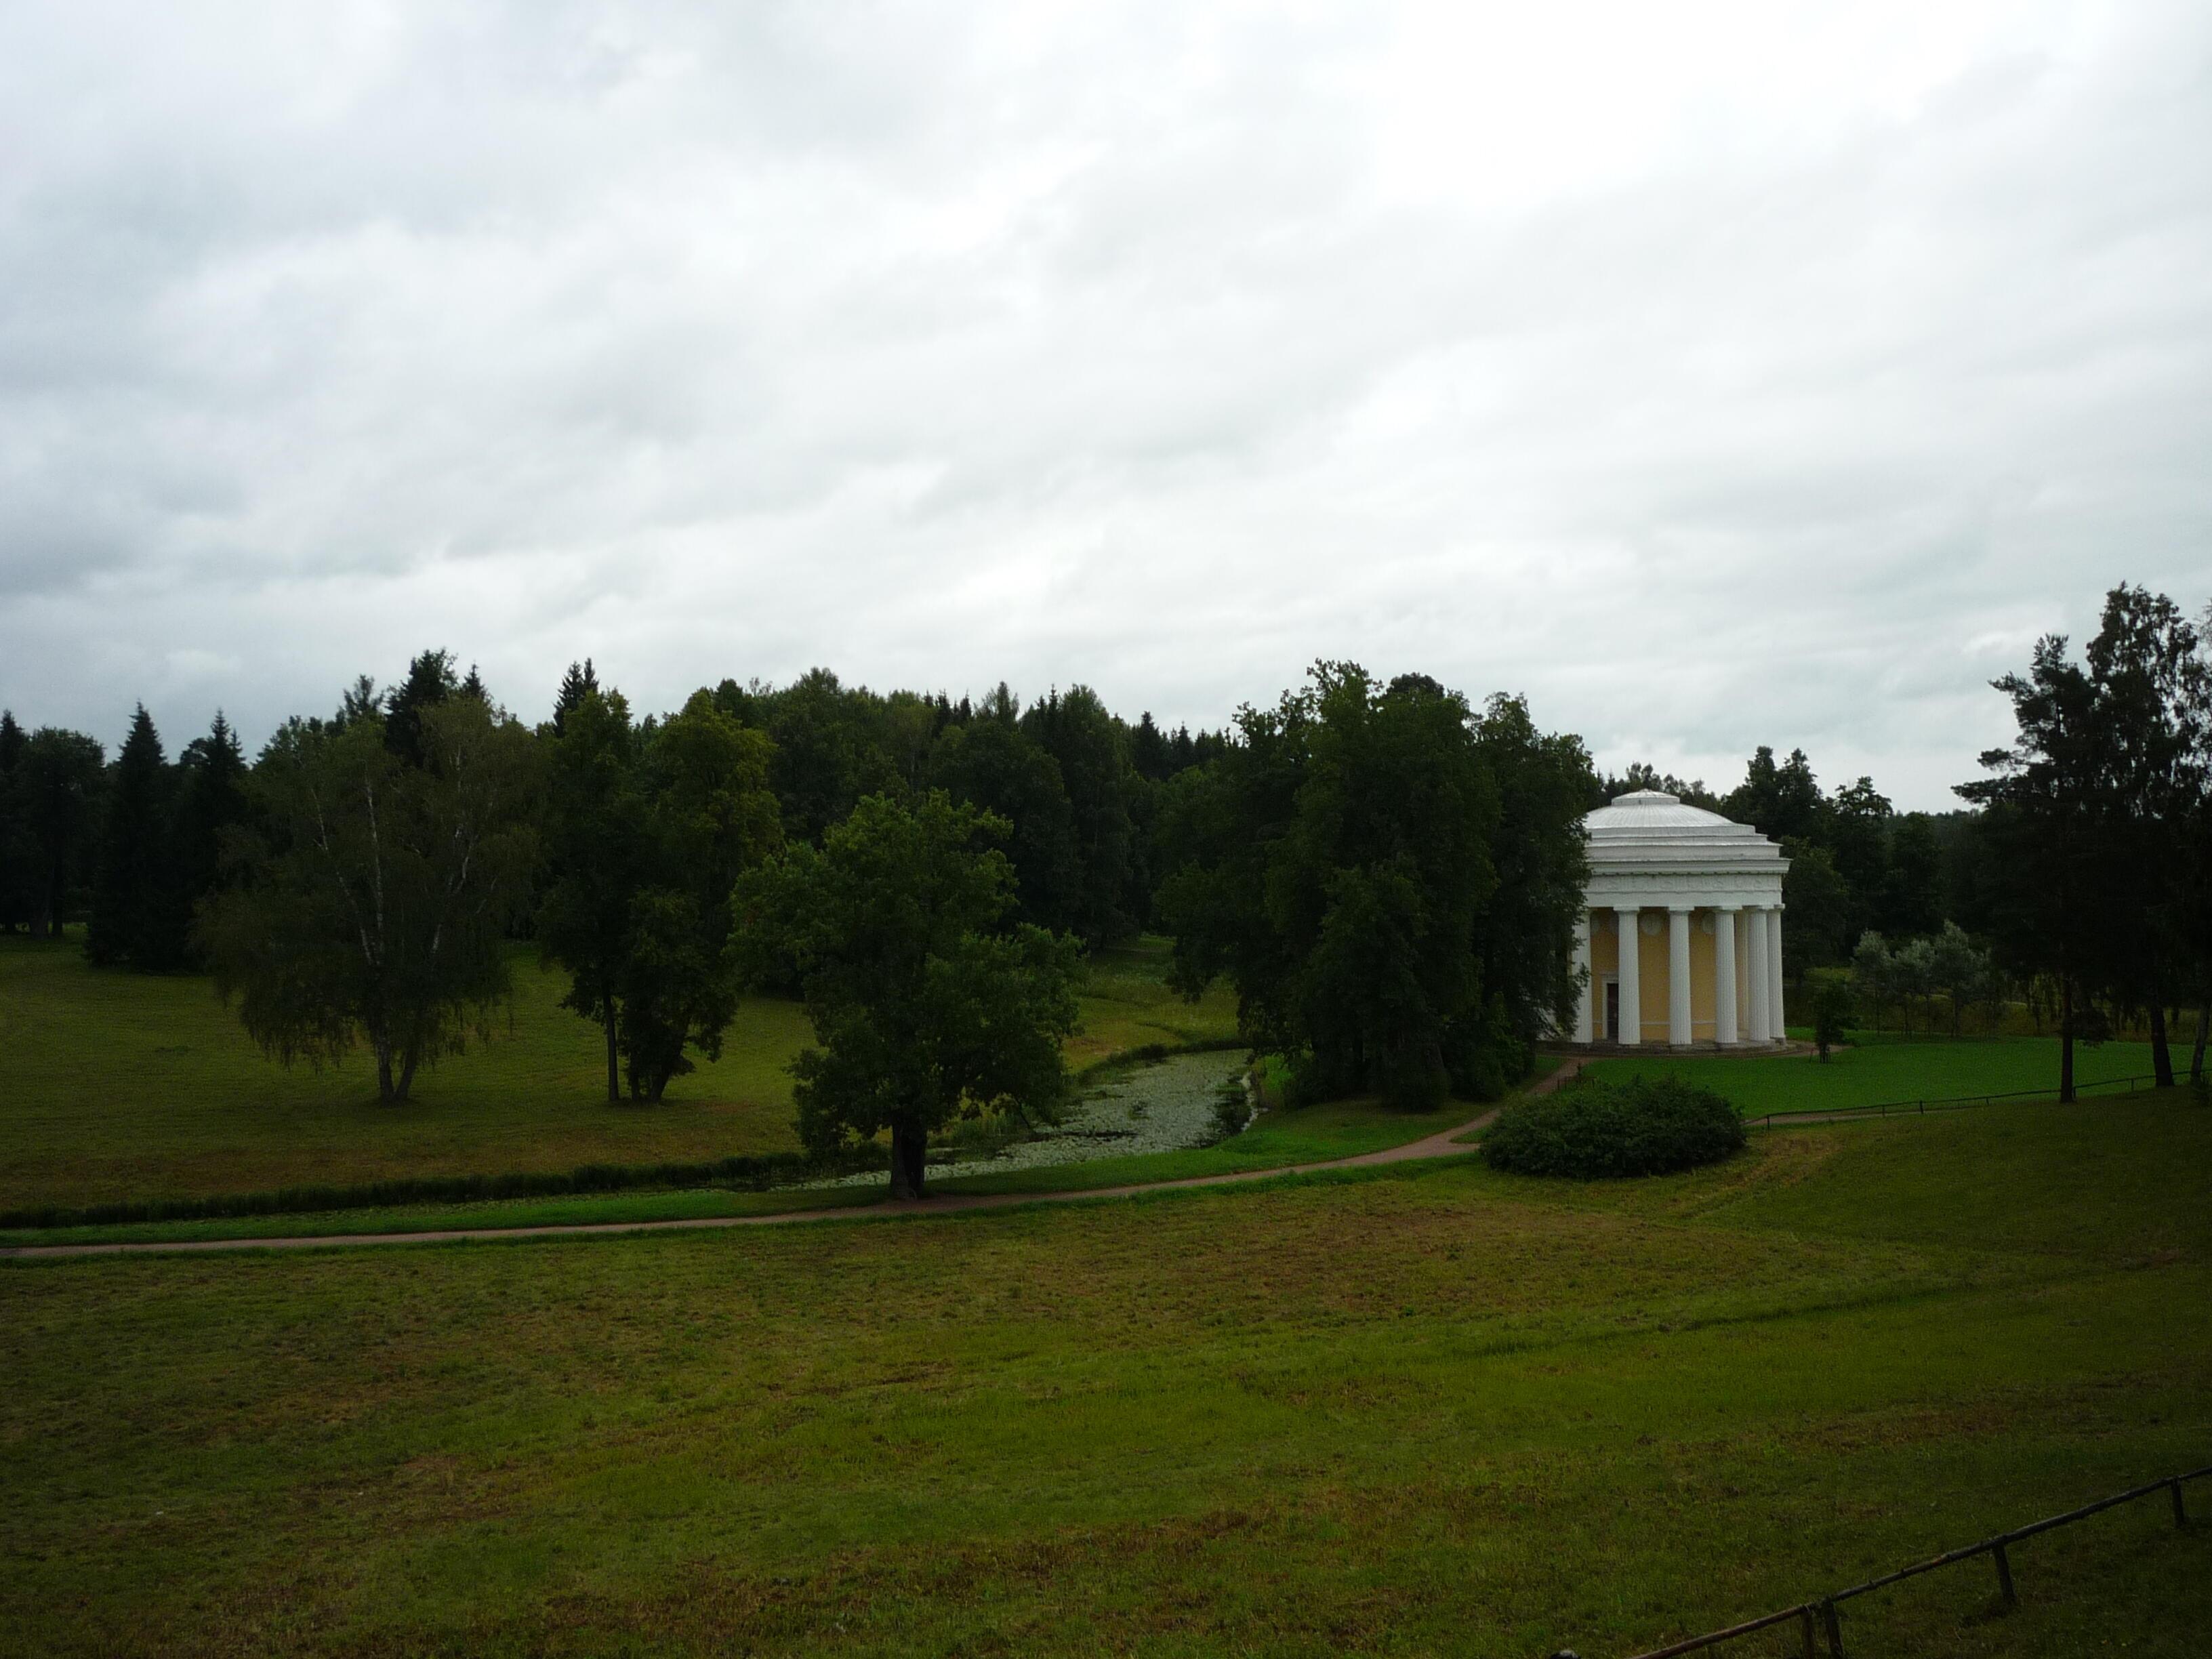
x=1387, y=873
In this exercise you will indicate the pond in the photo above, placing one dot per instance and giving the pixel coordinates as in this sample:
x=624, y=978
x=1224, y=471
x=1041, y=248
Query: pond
x=1164, y=1107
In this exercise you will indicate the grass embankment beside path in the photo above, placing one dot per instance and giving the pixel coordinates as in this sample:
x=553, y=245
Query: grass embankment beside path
x=1277, y=1139
x=1280, y=1138
x=120, y=1086
x=1430, y=1409
x=1877, y=1069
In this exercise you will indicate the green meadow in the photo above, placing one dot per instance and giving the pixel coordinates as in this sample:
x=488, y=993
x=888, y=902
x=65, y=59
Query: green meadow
x=1875, y=1070
x=1308, y=1134
x=117, y=1085
x=1420, y=1409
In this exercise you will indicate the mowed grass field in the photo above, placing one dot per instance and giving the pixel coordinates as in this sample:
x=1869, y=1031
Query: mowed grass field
x=1283, y=1137
x=116, y=1085
x=1875, y=1070
x=1430, y=1409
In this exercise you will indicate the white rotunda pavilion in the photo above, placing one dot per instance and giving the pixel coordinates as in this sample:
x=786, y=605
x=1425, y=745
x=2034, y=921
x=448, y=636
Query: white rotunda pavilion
x=1697, y=902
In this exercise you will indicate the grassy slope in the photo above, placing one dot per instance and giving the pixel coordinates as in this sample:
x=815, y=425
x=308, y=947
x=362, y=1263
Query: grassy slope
x=1883, y=1069
x=1416, y=1412
x=1308, y=1134
x=121, y=1085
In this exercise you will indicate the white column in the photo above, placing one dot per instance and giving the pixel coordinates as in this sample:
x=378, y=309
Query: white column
x=1724, y=975
x=1754, y=936
x=1632, y=985
x=1774, y=971
x=1583, y=966
x=1678, y=976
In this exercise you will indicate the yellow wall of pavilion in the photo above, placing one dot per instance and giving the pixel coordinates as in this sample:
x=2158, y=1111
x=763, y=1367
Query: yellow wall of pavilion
x=1651, y=968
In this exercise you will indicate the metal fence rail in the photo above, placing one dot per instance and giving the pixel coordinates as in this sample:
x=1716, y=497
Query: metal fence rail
x=1819, y=1617
x=1948, y=1104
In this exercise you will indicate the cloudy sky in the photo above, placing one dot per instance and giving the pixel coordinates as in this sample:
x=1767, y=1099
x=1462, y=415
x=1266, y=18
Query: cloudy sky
x=1712, y=373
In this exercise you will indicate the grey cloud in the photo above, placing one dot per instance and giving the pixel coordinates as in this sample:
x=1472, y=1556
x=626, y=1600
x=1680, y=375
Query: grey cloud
x=941, y=344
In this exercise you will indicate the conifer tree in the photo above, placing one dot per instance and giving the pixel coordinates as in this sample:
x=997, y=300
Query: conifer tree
x=578, y=683
x=59, y=789
x=136, y=916
x=211, y=798
x=18, y=849
x=1074, y=728
x=1148, y=749
x=430, y=681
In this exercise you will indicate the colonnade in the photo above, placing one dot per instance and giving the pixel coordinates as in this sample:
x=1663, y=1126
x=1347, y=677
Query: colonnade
x=1762, y=930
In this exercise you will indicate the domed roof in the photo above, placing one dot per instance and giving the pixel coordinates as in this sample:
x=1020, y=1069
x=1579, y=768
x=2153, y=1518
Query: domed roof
x=1650, y=830
x=1645, y=810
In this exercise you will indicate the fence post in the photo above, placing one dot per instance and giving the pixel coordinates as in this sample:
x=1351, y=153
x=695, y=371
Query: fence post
x=1835, y=1630
x=2004, y=1577
x=2180, y=1513
x=1805, y=1629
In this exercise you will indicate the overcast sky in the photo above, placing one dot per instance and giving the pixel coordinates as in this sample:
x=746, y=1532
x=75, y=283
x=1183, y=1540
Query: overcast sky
x=1713, y=374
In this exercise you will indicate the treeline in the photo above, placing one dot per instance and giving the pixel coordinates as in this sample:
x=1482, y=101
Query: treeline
x=127, y=847
x=2092, y=874
x=358, y=884
x=1386, y=874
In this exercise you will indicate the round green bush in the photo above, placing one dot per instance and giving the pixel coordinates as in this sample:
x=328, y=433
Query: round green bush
x=1589, y=1130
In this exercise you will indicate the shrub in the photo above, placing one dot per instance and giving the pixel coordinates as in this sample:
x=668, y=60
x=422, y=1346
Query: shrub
x=1590, y=1130
x=1832, y=1008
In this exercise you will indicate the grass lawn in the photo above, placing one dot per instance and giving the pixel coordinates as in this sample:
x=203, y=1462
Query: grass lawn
x=1309, y=1135
x=116, y=1085
x=1881, y=1069
x=1428, y=1409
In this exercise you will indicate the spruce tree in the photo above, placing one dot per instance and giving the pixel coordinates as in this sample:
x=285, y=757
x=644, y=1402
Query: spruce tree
x=578, y=683
x=19, y=849
x=210, y=800
x=430, y=681
x=1148, y=749
x=135, y=917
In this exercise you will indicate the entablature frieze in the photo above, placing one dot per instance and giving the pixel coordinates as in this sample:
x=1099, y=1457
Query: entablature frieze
x=1697, y=892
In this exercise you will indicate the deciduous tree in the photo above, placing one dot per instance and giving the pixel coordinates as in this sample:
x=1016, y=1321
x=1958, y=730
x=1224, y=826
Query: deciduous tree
x=649, y=827
x=1341, y=864
x=374, y=895
x=59, y=782
x=2045, y=876
x=925, y=1004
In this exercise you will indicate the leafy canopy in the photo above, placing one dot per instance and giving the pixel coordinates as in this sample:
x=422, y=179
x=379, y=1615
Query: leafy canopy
x=925, y=1004
x=374, y=895
x=1341, y=863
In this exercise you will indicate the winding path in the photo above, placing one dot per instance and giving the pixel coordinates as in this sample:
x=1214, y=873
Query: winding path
x=1443, y=1143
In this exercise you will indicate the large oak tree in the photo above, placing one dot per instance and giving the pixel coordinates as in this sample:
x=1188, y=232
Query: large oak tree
x=926, y=1005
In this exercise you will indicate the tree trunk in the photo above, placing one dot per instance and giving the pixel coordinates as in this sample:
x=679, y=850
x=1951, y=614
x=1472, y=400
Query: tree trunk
x=2196, y=1053
x=2161, y=1057
x=908, y=1144
x=2066, y=1042
x=406, y=1076
x=614, y=1067
x=384, y=1072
